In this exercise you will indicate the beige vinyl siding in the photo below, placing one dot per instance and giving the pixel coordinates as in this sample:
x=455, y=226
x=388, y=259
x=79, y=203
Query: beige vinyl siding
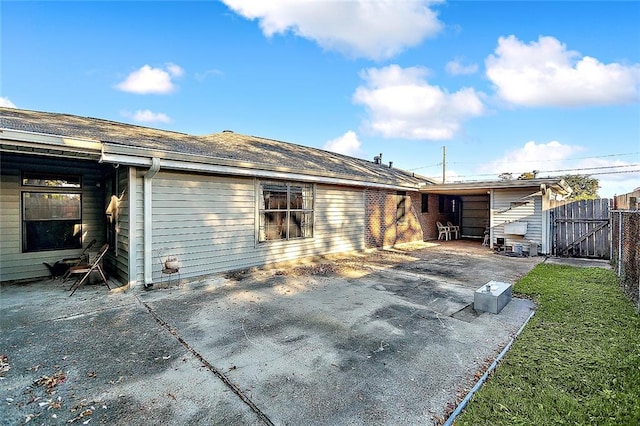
x=18, y=266
x=209, y=223
x=530, y=212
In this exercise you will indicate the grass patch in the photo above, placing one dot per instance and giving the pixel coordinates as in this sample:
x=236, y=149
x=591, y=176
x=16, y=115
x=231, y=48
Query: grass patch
x=577, y=362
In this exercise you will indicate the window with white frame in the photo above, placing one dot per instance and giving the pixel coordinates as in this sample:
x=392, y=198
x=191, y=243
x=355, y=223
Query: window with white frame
x=51, y=212
x=285, y=210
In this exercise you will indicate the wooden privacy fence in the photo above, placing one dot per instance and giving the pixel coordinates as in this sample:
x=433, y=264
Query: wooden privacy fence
x=581, y=229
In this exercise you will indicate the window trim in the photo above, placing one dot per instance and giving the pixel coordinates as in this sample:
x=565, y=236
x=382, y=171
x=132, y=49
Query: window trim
x=67, y=184
x=308, y=211
x=25, y=222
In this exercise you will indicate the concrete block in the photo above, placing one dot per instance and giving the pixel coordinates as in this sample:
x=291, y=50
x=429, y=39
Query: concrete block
x=492, y=297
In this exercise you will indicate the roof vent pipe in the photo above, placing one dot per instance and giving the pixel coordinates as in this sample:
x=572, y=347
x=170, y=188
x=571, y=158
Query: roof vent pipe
x=376, y=159
x=390, y=164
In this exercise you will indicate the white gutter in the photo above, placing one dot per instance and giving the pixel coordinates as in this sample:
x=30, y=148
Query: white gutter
x=148, y=222
x=244, y=171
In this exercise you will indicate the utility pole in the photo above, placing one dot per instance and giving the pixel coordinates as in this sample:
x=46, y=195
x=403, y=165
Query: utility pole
x=444, y=162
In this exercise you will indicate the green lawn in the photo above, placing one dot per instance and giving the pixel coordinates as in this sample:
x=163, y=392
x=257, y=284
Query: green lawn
x=577, y=362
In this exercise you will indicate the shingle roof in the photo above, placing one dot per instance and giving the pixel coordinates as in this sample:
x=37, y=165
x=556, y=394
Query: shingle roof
x=259, y=152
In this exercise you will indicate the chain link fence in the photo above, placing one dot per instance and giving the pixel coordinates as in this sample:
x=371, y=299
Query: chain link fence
x=625, y=251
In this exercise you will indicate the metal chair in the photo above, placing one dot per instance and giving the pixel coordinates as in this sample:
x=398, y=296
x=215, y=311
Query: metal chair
x=86, y=270
x=75, y=261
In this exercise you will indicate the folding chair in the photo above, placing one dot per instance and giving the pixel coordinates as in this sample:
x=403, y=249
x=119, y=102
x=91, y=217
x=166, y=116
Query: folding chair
x=80, y=260
x=86, y=270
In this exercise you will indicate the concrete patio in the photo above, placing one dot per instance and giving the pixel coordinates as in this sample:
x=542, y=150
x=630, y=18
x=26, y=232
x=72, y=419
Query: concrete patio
x=383, y=337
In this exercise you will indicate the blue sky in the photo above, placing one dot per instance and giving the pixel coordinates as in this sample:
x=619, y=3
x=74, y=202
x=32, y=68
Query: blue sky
x=505, y=86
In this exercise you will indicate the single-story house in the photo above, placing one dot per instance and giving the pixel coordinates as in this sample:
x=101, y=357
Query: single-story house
x=514, y=211
x=223, y=201
x=217, y=202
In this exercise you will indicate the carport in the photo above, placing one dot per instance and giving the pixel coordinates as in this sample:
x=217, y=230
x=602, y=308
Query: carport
x=493, y=205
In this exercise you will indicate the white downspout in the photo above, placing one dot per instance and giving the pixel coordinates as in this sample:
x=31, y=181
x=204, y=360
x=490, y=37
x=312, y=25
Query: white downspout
x=148, y=220
x=491, y=218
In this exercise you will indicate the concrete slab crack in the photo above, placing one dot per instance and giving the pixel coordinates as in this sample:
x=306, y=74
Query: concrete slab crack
x=262, y=416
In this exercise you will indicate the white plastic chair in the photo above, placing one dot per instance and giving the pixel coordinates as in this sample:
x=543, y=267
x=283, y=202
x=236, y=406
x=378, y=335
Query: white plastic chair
x=443, y=231
x=454, y=229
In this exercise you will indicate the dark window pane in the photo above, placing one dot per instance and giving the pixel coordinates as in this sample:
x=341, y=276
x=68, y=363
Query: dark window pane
x=295, y=225
x=296, y=198
x=47, y=180
x=275, y=196
x=401, y=205
x=52, y=235
x=425, y=203
x=43, y=206
x=273, y=226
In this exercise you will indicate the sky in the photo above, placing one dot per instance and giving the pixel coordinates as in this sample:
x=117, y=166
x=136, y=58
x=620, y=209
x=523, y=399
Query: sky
x=484, y=87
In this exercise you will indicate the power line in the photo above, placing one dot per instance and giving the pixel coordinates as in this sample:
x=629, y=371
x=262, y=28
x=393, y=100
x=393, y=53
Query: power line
x=566, y=170
x=580, y=174
x=564, y=159
x=534, y=161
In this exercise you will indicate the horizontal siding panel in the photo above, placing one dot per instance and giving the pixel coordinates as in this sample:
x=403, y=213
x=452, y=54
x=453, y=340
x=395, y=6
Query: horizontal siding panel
x=212, y=229
x=531, y=213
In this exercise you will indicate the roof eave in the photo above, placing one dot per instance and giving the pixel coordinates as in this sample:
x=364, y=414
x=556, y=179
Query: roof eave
x=141, y=157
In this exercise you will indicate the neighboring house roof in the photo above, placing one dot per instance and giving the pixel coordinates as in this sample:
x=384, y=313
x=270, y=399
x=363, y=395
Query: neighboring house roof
x=229, y=149
x=474, y=188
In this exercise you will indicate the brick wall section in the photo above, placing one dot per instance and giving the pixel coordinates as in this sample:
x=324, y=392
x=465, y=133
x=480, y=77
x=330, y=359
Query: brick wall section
x=428, y=220
x=382, y=228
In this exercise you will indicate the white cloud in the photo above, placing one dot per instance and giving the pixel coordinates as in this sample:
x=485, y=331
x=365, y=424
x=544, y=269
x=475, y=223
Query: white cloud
x=148, y=80
x=546, y=73
x=147, y=116
x=532, y=156
x=376, y=29
x=402, y=104
x=347, y=144
x=456, y=67
x=6, y=102
x=174, y=70
x=201, y=76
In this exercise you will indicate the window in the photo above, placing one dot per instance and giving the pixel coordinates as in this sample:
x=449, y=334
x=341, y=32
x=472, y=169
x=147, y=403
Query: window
x=401, y=205
x=51, y=219
x=285, y=211
x=425, y=203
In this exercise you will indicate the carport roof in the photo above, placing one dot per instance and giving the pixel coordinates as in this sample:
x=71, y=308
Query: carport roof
x=477, y=188
x=226, y=149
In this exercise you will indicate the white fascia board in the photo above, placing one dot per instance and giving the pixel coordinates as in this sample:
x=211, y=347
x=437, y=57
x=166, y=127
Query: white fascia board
x=38, y=140
x=246, y=171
